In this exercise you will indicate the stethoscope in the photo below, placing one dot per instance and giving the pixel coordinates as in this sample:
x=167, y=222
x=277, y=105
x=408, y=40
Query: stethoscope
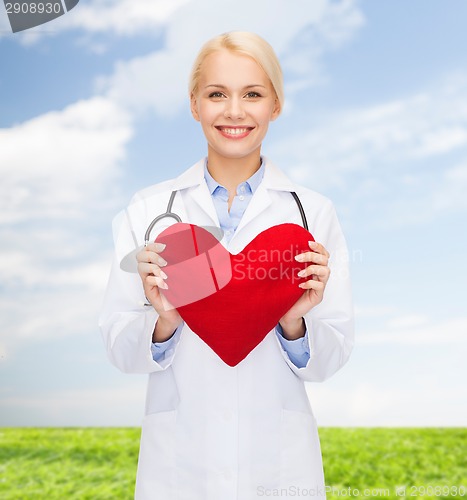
x=128, y=262
x=168, y=213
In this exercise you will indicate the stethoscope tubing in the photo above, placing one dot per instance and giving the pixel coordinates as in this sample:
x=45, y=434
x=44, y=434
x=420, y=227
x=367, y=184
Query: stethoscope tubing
x=169, y=213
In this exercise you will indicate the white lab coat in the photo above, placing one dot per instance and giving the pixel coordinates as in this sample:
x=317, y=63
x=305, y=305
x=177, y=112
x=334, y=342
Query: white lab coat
x=212, y=431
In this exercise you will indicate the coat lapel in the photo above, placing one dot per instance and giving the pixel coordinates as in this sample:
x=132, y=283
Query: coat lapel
x=193, y=181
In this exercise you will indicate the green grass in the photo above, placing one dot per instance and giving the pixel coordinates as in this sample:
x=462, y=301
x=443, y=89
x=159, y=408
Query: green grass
x=62, y=464
x=417, y=460
x=100, y=463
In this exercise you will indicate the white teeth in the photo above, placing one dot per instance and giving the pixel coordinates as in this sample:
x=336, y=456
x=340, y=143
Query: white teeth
x=234, y=131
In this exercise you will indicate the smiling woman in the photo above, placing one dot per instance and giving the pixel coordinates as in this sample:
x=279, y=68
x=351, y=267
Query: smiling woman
x=235, y=117
x=236, y=89
x=227, y=414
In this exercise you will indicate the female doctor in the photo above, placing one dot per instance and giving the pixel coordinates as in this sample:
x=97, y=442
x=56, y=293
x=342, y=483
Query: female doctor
x=213, y=431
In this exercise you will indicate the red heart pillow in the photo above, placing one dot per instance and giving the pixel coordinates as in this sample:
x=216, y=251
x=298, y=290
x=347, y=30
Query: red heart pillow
x=231, y=301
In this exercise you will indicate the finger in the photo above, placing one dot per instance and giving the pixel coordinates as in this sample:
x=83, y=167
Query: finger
x=156, y=281
x=152, y=257
x=319, y=248
x=317, y=286
x=321, y=272
x=156, y=247
x=315, y=257
x=145, y=268
x=143, y=256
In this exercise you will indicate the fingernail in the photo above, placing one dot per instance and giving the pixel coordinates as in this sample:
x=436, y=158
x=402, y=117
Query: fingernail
x=301, y=273
x=163, y=275
x=161, y=261
x=301, y=285
x=299, y=258
x=161, y=247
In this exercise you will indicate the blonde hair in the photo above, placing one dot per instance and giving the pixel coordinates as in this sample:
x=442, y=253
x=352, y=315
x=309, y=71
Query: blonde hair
x=246, y=43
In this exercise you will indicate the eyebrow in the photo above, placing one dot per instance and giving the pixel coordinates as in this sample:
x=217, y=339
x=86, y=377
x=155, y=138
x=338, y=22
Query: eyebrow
x=220, y=86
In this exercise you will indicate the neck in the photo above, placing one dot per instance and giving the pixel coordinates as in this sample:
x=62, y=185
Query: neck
x=230, y=172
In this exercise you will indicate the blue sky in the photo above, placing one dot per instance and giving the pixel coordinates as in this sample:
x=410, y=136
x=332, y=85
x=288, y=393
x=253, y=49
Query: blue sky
x=93, y=106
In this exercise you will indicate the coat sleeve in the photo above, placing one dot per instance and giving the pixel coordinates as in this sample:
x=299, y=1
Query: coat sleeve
x=330, y=324
x=126, y=324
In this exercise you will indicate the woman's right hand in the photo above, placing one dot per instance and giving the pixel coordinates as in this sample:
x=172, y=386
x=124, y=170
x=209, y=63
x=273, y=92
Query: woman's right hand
x=153, y=278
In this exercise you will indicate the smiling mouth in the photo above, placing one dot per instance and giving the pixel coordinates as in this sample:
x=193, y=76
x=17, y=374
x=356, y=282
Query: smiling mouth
x=234, y=132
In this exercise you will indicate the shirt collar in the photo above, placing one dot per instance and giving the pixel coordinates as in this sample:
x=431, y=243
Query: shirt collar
x=253, y=182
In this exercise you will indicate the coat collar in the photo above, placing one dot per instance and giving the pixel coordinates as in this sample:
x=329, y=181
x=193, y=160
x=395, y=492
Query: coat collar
x=273, y=178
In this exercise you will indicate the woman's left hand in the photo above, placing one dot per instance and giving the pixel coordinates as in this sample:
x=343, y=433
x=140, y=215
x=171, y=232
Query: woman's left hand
x=318, y=272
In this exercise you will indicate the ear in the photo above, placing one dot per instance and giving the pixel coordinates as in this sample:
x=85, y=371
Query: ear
x=194, y=107
x=276, y=111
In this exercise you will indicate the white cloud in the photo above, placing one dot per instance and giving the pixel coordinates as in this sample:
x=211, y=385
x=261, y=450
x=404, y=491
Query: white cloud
x=341, y=21
x=320, y=25
x=441, y=140
x=55, y=311
x=104, y=406
x=158, y=81
x=402, y=365
x=457, y=174
x=58, y=180
x=53, y=282
x=368, y=404
x=56, y=164
x=155, y=82
x=389, y=326
x=451, y=192
x=417, y=331
x=399, y=134
x=375, y=311
x=408, y=321
x=18, y=269
x=121, y=17
x=109, y=17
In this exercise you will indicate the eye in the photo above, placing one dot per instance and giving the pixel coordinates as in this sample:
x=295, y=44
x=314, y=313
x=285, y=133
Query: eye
x=252, y=95
x=216, y=95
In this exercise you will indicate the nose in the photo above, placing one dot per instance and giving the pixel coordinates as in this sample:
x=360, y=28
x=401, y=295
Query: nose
x=234, y=109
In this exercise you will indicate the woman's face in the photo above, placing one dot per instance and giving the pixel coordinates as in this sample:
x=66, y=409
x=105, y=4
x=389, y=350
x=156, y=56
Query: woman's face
x=234, y=103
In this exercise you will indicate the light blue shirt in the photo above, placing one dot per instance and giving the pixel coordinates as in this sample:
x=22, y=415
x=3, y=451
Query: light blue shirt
x=229, y=220
x=297, y=350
